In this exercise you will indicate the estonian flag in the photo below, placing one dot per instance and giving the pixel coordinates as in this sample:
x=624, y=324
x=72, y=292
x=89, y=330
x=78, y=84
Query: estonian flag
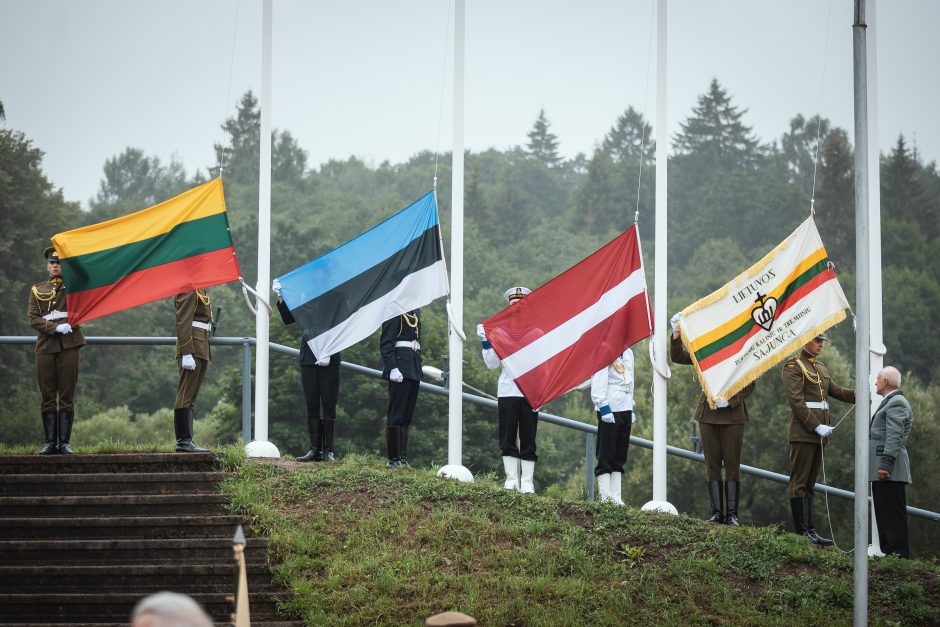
x=343, y=296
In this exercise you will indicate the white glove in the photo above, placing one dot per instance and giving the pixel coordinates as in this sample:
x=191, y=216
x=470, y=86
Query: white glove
x=188, y=362
x=824, y=430
x=606, y=415
x=395, y=375
x=324, y=361
x=480, y=332
x=276, y=287
x=674, y=322
x=721, y=404
x=65, y=328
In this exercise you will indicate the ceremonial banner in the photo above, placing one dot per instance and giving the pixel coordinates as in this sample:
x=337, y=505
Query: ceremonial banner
x=737, y=333
x=576, y=324
x=343, y=296
x=174, y=247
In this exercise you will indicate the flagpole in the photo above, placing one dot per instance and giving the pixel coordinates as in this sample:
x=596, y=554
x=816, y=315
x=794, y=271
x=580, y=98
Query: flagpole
x=877, y=348
x=660, y=502
x=454, y=468
x=260, y=447
x=862, y=340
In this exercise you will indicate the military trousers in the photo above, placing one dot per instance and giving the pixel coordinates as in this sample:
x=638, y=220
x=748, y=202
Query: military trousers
x=321, y=390
x=517, y=421
x=57, y=374
x=721, y=445
x=190, y=381
x=402, y=398
x=613, y=441
x=805, y=459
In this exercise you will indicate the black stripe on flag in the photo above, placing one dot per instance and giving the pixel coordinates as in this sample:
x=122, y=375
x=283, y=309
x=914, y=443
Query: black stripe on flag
x=331, y=308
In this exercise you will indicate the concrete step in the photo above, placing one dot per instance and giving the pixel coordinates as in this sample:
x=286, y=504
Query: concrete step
x=185, y=578
x=113, y=505
x=105, y=483
x=120, y=551
x=108, y=462
x=149, y=527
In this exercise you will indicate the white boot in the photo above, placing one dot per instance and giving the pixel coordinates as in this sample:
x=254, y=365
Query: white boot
x=615, y=488
x=511, y=464
x=526, y=485
x=603, y=488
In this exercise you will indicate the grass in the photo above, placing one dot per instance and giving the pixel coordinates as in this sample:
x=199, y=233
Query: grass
x=358, y=544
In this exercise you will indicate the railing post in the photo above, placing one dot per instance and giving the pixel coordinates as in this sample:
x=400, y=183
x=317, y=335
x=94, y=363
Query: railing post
x=589, y=465
x=246, y=392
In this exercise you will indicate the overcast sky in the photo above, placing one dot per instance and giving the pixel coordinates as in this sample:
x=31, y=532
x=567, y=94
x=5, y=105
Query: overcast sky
x=84, y=80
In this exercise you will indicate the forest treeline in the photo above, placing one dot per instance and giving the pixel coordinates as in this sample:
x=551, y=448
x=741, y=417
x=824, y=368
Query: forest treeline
x=530, y=214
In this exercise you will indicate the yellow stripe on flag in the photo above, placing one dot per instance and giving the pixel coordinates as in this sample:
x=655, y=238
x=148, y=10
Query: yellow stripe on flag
x=737, y=321
x=199, y=202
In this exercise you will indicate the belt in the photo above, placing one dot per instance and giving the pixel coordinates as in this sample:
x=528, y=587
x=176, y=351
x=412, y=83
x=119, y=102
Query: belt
x=413, y=345
x=202, y=325
x=55, y=314
x=817, y=405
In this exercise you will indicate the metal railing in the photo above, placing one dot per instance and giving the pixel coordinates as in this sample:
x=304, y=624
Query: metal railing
x=589, y=430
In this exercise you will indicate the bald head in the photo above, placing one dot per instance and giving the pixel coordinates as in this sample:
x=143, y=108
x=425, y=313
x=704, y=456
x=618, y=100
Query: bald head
x=169, y=609
x=888, y=380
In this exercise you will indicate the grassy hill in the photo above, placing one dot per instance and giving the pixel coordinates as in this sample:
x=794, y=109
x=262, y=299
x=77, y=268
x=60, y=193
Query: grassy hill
x=358, y=544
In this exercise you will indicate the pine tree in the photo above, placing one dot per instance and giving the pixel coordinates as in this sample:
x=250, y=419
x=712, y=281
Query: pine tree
x=715, y=132
x=543, y=145
x=629, y=137
x=903, y=190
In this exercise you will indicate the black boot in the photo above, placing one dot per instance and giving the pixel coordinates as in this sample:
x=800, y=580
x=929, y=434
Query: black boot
x=65, y=431
x=403, y=446
x=714, y=495
x=49, y=427
x=183, y=423
x=799, y=518
x=814, y=537
x=327, y=425
x=313, y=428
x=392, y=445
x=731, y=499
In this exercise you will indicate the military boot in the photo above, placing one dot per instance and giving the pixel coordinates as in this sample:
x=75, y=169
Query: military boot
x=49, y=427
x=313, y=429
x=799, y=519
x=403, y=445
x=183, y=424
x=732, y=490
x=327, y=427
x=391, y=445
x=714, y=496
x=814, y=537
x=65, y=431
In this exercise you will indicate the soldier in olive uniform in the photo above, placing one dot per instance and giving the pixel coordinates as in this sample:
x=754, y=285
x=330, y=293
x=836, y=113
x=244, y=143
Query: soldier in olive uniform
x=193, y=322
x=722, y=432
x=401, y=355
x=808, y=386
x=57, y=347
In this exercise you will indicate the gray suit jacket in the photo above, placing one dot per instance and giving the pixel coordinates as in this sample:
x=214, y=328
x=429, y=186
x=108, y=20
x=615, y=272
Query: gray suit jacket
x=887, y=437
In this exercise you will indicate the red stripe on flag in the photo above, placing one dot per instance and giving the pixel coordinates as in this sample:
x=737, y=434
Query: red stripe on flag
x=795, y=297
x=137, y=288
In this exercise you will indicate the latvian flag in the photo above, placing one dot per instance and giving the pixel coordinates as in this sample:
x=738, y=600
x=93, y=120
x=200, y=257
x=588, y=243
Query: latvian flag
x=565, y=331
x=343, y=296
x=174, y=247
x=754, y=322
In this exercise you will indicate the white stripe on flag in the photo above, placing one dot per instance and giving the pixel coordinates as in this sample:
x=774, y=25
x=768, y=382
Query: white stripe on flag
x=569, y=332
x=416, y=290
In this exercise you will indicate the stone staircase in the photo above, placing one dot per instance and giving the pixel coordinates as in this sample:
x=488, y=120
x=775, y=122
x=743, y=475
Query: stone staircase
x=84, y=537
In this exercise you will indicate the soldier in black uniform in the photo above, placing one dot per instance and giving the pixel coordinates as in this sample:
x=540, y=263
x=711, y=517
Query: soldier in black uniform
x=57, y=347
x=401, y=355
x=320, y=381
x=808, y=386
x=193, y=321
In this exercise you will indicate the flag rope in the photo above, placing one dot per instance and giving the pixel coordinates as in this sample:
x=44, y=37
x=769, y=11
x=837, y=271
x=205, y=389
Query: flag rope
x=639, y=174
x=440, y=115
x=228, y=92
x=247, y=288
x=822, y=88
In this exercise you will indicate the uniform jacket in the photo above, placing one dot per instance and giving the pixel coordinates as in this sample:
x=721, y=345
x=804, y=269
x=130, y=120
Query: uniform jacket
x=612, y=388
x=307, y=358
x=506, y=386
x=190, y=340
x=814, y=386
x=407, y=360
x=736, y=411
x=887, y=437
x=45, y=298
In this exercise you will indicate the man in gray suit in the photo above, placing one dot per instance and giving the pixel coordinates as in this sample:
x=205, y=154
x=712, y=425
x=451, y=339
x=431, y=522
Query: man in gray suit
x=888, y=465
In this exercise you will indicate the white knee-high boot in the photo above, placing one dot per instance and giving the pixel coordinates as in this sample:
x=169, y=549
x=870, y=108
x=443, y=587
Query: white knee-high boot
x=526, y=484
x=603, y=488
x=511, y=465
x=615, y=488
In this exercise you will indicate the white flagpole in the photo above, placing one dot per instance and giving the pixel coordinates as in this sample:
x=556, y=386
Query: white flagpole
x=454, y=468
x=260, y=447
x=862, y=339
x=660, y=502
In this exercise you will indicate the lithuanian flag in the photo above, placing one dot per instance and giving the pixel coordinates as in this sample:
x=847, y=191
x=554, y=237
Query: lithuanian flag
x=763, y=315
x=174, y=247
